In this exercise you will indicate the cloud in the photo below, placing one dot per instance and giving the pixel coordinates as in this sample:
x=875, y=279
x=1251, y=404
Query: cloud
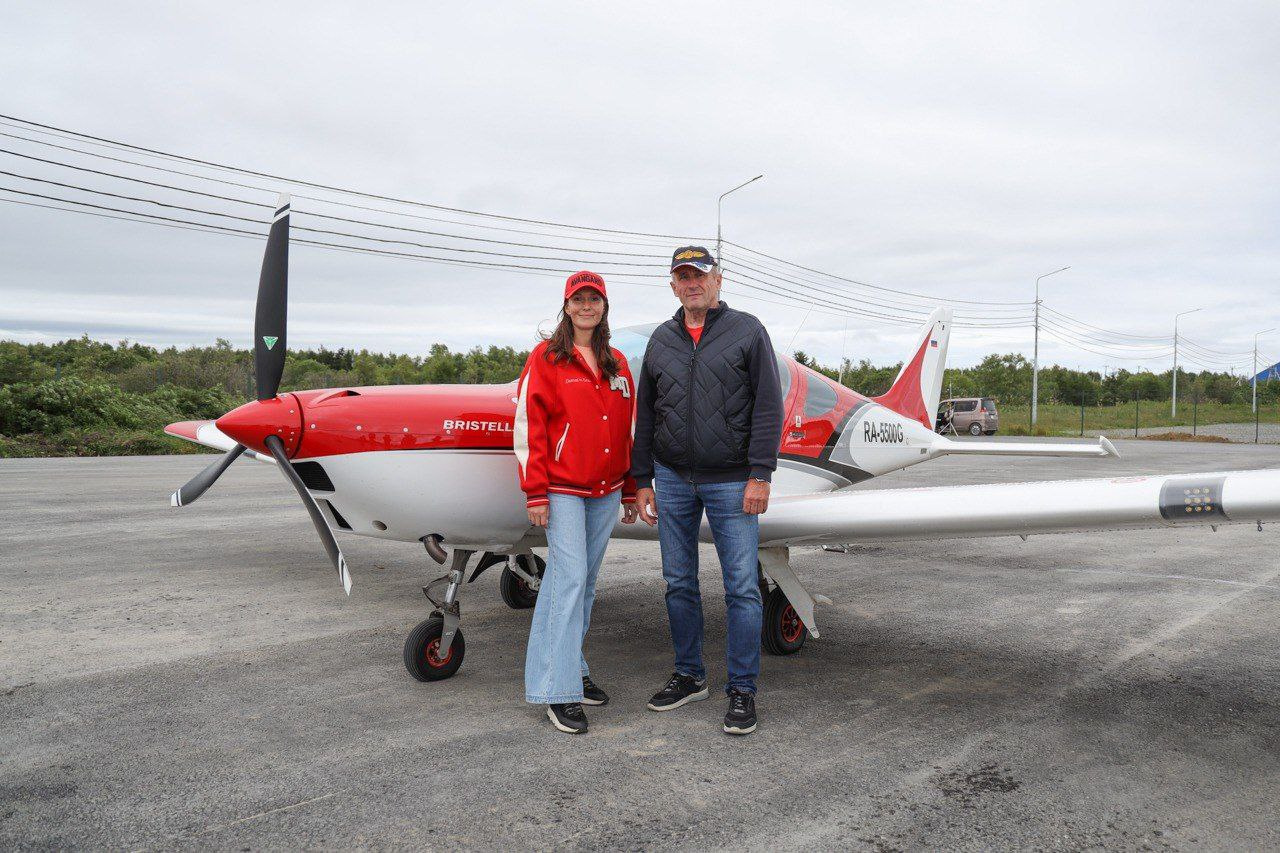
x=955, y=151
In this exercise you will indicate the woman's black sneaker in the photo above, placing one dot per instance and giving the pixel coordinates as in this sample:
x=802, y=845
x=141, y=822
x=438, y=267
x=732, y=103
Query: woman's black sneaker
x=741, y=719
x=680, y=690
x=568, y=718
x=592, y=694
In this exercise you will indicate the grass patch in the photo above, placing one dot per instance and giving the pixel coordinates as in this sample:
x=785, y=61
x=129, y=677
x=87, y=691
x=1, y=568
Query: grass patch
x=1056, y=419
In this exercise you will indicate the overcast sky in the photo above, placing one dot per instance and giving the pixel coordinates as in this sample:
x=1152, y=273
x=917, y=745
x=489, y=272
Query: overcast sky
x=956, y=150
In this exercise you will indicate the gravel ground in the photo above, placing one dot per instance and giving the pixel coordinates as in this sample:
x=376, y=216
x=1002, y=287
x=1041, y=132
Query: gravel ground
x=195, y=679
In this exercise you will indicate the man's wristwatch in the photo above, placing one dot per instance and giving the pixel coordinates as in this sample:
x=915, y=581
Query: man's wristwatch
x=760, y=479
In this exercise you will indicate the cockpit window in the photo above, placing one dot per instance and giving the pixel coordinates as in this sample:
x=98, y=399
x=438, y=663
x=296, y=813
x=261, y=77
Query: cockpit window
x=632, y=341
x=784, y=374
x=820, y=397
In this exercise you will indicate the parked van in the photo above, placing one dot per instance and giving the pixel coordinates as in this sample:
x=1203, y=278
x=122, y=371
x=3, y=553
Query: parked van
x=974, y=415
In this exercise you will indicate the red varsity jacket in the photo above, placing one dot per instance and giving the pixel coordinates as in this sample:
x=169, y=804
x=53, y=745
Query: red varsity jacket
x=573, y=429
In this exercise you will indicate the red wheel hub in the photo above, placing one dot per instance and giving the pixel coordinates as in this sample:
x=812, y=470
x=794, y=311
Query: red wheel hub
x=791, y=625
x=432, y=652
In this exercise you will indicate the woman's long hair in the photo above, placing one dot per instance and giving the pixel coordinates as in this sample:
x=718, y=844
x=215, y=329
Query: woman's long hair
x=560, y=342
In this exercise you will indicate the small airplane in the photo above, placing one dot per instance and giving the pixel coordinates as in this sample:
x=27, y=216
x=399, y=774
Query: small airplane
x=434, y=464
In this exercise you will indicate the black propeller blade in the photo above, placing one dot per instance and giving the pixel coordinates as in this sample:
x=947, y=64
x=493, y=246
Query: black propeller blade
x=268, y=339
x=202, y=481
x=276, y=446
x=273, y=305
x=269, y=346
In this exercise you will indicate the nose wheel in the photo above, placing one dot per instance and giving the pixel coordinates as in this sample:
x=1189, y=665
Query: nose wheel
x=423, y=656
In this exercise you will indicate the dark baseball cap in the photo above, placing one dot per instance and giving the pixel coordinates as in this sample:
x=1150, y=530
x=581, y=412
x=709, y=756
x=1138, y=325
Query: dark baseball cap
x=693, y=256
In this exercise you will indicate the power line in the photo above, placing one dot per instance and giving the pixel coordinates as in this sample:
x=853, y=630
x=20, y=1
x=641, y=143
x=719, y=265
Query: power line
x=45, y=129
x=314, y=185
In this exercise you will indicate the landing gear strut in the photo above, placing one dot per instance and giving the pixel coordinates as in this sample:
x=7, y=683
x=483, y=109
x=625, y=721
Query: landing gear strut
x=788, y=606
x=434, y=649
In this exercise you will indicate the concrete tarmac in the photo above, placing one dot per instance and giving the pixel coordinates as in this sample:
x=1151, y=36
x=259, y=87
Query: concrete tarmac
x=195, y=679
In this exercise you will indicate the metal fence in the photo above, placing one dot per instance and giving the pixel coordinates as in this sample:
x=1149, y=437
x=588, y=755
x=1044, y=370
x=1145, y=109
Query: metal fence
x=1196, y=420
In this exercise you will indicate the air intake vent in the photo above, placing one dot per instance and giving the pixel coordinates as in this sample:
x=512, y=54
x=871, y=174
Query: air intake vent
x=337, y=516
x=313, y=476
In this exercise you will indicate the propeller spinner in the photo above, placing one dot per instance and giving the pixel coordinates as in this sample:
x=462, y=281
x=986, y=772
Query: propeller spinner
x=269, y=347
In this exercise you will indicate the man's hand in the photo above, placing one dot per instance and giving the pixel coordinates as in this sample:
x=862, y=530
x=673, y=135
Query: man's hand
x=629, y=513
x=539, y=515
x=755, y=500
x=647, y=504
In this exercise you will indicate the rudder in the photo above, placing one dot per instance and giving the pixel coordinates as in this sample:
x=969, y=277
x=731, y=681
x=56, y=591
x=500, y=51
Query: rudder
x=918, y=388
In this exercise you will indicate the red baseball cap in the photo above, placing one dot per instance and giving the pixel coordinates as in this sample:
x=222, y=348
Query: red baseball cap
x=586, y=278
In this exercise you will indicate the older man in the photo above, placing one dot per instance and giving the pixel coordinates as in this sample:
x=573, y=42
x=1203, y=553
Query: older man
x=708, y=423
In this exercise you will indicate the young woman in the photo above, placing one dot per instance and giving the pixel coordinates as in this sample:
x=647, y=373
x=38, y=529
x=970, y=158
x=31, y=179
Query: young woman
x=574, y=413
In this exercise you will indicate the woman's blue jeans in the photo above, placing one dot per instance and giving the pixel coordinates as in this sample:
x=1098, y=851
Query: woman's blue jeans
x=577, y=534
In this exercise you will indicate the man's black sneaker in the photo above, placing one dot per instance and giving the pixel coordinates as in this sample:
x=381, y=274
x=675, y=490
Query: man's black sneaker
x=592, y=694
x=680, y=690
x=741, y=719
x=568, y=718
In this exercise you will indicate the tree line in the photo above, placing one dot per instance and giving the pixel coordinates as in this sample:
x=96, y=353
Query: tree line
x=86, y=397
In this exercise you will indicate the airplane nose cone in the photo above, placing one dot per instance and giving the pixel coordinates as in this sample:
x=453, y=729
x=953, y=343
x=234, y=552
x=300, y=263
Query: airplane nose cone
x=253, y=422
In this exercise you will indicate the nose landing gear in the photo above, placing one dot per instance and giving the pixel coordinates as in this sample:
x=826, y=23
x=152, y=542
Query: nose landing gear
x=435, y=647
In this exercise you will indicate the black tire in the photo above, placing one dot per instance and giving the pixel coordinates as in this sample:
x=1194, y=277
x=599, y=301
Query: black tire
x=422, y=647
x=782, y=632
x=975, y=429
x=515, y=590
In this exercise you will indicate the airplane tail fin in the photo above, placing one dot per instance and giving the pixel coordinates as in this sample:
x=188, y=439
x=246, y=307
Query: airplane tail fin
x=916, y=391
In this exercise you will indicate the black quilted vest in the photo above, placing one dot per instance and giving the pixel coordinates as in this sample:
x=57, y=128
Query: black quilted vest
x=703, y=404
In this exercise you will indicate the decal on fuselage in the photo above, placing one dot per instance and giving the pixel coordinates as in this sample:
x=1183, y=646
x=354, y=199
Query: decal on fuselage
x=480, y=426
x=880, y=432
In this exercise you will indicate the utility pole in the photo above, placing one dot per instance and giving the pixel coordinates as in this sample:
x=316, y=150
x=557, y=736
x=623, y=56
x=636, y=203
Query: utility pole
x=719, y=205
x=1255, y=367
x=1035, y=356
x=1174, y=413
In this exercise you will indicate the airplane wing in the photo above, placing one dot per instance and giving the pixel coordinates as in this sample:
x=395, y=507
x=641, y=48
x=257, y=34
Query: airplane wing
x=208, y=434
x=1021, y=509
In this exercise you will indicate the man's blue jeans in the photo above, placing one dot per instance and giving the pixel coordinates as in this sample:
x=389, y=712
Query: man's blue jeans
x=577, y=534
x=737, y=539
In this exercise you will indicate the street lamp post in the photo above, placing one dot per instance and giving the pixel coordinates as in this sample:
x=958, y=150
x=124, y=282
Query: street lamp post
x=719, y=205
x=1255, y=367
x=1174, y=412
x=1035, y=356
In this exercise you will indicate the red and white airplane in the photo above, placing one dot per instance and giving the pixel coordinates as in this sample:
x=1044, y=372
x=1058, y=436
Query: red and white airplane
x=434, y=464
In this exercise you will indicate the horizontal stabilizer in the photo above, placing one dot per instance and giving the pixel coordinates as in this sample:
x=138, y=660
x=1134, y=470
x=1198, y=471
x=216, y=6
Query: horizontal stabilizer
x=1003, y=447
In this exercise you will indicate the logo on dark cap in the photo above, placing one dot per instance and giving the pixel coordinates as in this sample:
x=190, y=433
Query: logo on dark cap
x=693, y=256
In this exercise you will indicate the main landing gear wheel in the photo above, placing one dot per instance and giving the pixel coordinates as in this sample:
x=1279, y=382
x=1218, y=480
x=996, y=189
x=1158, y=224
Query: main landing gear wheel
x=782, y=631
x=516, y=591
x=422, y=655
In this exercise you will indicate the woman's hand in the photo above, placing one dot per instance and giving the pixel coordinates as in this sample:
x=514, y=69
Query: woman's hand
x=630, y=513
x=539, y=515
